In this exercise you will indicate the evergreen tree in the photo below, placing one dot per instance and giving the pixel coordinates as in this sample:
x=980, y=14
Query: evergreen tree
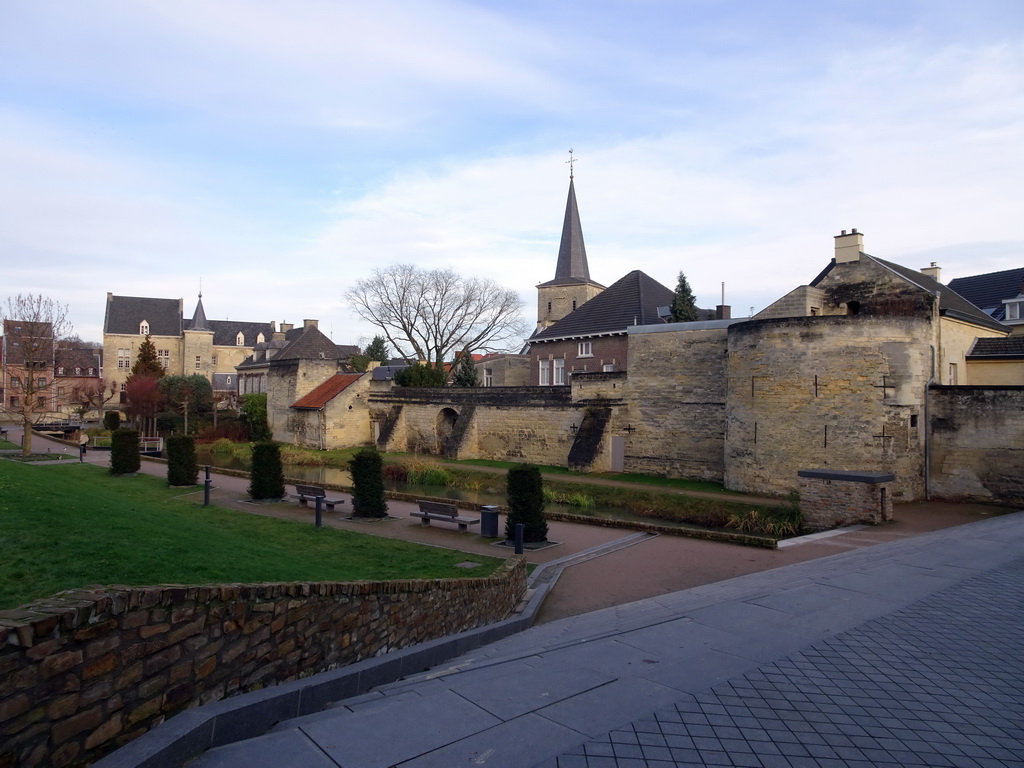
x=465, y=372
x=378, y=350
x=146, y=364
x=421, y=376
x=266, y=480
x=367, y=471
x=684, y=305
x=525, y=494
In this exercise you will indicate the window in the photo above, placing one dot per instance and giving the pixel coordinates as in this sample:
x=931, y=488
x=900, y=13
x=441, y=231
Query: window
x=488, y=377
x=952, y=373
x=260, y=338
x=14, y=402
x=60, y=370
x=124, y=359
x=228, y=380
x=574, y=305
x=91, y=371
x=608, y=367
x=60, y=391
x=144, y=328
x=586, y=349
x=199, y=362
x=1013, y=310
x=240, y=339
x=41, y=381
x=163, y=356
x=15, y=382
x=559, y=372
x=545, y=373
x=124, y=386
x=41, y=402
x=78, y=371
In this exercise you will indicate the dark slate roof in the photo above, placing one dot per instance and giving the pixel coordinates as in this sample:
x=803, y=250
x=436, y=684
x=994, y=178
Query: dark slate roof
x=951, y=304
x=1009, y=347
x=199, y=317
x=311, y=344
x=225, y=332
x=988, y=291
x=124, y=313
x=80, y=357
x=327, y=391
x=633, y=300
x=572, y=267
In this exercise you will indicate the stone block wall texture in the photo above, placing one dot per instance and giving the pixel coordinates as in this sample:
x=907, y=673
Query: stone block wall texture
x=287, y=381
x=828, y=504
x=343, y=423
x=87, y=671
x=831, y=392
x=531, y=424
x=677, y=403
x=977, y=444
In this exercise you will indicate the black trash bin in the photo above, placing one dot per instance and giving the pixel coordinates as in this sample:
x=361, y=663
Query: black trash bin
x=489, y=522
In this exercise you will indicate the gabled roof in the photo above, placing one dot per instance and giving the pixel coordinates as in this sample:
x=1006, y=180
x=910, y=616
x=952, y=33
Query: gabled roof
x=1010, y=347
x=633, y=300
x=988, y=291
x=951, y=304
x=327, y=391
x=312, y=344
x=124, y=313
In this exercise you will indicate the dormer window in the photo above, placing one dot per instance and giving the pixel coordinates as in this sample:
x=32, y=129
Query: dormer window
x=1013, y=310
x=260, y=338
x=240, y=339
x=144, y=328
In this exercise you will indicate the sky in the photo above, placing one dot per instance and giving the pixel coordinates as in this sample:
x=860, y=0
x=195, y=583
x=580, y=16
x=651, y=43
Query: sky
x=272, y=153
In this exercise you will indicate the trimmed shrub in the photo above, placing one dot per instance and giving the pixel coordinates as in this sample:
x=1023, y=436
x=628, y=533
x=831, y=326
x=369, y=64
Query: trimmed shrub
x=182, y=468
x=111, y=420
x=366, y=468
x=124, y=452
x=266, y=480
x=524, y=489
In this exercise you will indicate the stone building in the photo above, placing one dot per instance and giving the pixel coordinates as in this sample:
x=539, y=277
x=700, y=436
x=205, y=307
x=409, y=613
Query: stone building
x=183, y=347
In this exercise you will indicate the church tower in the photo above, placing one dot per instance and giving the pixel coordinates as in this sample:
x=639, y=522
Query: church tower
x=572, y=286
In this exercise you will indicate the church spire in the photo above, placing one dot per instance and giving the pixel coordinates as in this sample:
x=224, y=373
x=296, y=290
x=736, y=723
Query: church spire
x=572, y=253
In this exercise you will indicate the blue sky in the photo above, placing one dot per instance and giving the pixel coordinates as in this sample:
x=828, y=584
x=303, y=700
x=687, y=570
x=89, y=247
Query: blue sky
x=278, y=152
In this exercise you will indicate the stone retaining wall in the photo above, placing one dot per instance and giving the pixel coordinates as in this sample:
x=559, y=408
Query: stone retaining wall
x=831, y=498
x=87, y=671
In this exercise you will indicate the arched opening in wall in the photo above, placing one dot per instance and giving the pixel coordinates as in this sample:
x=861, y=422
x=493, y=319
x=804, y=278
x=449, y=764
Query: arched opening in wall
x=853, y=307
x=444, y=428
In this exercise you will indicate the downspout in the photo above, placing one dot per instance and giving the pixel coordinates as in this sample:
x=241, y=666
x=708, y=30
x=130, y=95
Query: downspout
x=928, y=432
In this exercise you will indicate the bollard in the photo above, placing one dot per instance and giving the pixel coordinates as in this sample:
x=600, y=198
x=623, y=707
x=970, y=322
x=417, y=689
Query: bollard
x=206, y=488
x=319, y=518
x=520, y=529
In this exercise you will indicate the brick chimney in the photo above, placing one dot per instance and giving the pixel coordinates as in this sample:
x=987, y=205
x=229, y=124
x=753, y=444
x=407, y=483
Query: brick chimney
x=849, y=246
x=307, y=324
x=723, y=312
x=934, y=272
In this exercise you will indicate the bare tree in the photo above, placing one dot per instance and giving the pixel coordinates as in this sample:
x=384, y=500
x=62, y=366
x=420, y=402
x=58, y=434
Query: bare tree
x=32, y=325
x=430, y=314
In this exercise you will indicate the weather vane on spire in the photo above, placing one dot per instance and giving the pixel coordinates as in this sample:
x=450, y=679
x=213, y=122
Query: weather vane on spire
x=570, y=161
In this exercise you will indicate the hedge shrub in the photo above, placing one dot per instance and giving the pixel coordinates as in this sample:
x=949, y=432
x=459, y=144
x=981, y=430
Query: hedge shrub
x=266, y=480
x=524, y=488
x=182, y=468
x=367, y=472
x=124, y=452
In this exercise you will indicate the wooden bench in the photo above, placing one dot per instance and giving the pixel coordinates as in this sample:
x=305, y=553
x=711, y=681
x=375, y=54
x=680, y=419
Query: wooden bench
x=448, y=513
x=306, y=493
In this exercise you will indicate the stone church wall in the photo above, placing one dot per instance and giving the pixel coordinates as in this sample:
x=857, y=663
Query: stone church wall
x=828, y=392
x=977, y=444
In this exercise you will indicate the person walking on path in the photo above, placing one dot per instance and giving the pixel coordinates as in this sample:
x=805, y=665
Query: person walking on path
x=83, y=445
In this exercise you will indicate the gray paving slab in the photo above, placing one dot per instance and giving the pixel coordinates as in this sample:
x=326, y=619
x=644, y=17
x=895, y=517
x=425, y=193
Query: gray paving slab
x=907, y=653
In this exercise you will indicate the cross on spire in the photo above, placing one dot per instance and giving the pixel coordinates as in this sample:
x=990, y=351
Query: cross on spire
x=570, y=161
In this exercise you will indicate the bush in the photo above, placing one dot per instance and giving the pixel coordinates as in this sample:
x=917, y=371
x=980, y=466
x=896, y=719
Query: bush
x=421, y=376
x=396, y=473
x=367, y=484
x=111, y=420
x=266, y=480
x=254, y=411
x=124, y=452
x=429, y=474
x=182, y=468
x=525, y=495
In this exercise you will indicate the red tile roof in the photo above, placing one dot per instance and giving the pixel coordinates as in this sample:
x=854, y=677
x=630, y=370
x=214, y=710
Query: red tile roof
x=327, y=391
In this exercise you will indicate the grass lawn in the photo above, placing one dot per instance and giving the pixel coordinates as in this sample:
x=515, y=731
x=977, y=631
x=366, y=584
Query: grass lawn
x=74, y=525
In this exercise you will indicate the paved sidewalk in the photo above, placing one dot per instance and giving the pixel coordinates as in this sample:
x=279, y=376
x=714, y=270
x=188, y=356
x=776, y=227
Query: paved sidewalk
x=906, y=653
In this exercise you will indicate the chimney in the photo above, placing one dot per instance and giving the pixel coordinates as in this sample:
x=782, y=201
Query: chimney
x=723, y=312
x=307, y=324
x=285, y=327
x=934, y=272
x=849, y=246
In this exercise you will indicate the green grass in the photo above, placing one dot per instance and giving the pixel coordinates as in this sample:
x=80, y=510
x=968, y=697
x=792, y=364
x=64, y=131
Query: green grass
x=6, y=445
x=69, y=526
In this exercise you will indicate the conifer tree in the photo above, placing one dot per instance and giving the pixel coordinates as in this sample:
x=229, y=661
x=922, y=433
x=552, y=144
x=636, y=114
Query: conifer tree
x=146, y=364
x=465, y=372
x=684, y=305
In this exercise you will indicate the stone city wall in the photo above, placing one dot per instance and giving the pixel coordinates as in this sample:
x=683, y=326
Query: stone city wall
x=832, y=392
x=86, y=671
x=677, y=403
x=977, y=444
